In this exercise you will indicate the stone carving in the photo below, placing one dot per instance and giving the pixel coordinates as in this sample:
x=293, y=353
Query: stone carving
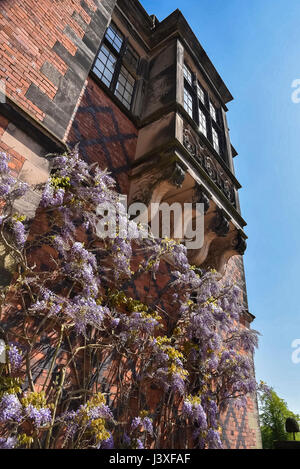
x=201, y=197
x=177, y=176
x=144, y=189
x=150, y=179
x=188, y=142
x=220, y=224
x=240, y=244
x=212, y=167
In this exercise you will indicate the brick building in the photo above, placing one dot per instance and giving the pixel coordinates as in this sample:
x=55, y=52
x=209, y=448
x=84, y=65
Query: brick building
x=145, y=101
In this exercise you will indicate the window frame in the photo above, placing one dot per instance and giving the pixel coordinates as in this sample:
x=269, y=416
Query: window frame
x=121, y=61
x=205, y=108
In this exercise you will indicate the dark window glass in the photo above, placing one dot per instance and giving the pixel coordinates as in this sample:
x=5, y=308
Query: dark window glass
x=212, y=111
x=116, y=65
x=188, y=103
x=105, y=65
x=200, y=108
x=200, y=93
x=202, y=123
x=114, y=36
x=215, y=138
x=125, y=87
x=187, y=74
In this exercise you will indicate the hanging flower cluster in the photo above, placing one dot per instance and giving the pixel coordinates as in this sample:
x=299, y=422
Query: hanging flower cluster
x=33, y=408
x=87, y=425
x=10, y=190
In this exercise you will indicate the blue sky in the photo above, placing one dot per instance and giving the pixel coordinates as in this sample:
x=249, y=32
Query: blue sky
x=255, y=46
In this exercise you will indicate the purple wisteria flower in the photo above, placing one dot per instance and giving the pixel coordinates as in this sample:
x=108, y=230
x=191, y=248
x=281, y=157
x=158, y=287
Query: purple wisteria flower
x=145, y=422
x=102, y=411
x=14, y=357
x=19, y=233
x=20, y=189
x=126, y=440
x=51, y=196
x=148, y=425
x=10, y=188
x=136, y=422
x=213, y=439
x=10, y=409
x=8, y=443
x=4, y=188
x=4, y=160
x=195, y=411
x=177, y=383
x=40, y=417
x=107, y=444
x=49, y=301
x=85, y=312
x=139, y=444
x=71, y=423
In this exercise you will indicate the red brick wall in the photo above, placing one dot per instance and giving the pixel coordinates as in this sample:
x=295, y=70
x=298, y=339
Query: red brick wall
x=46, y=51
x=106, y=135
x=235, y=272
x=241, y=428
x=29, y=30
x=238, y=431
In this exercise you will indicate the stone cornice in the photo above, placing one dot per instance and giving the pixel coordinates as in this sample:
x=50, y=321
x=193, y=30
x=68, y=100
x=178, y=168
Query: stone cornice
x=174, y=25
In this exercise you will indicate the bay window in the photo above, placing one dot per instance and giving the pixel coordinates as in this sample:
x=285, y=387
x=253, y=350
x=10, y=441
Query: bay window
x=200, y=108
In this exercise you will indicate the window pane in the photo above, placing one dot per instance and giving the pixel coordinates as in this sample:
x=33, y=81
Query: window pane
x=212, y=110
x=202, y=123
x=124, y=88
x=105, y=65
x=129, y=88
x=215, y=137
x=115, y=37
x=187, y=74
x=122, y=80
x=200, y=94
x=188, y=103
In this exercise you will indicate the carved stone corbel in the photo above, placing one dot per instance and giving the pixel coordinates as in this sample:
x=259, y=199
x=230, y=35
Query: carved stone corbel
x=240, y=244
x=220, y=224
x=200, y=196
x=223, y=248
x=152, y=182
x=178, y=175
x=199, y=256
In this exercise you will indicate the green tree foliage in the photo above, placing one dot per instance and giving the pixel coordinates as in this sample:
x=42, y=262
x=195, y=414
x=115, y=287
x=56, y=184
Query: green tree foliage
x=273, y=414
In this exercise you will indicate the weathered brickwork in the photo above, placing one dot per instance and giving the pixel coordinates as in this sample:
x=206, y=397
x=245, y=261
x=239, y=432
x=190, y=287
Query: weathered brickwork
x=238, y=429
x=105, y=134
x=235, y=272
x=46, y=51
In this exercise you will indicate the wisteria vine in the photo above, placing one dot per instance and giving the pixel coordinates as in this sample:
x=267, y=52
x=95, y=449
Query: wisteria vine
x=88, y=364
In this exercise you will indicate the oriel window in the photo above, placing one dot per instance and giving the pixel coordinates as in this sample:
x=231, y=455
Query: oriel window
x=203, y=111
